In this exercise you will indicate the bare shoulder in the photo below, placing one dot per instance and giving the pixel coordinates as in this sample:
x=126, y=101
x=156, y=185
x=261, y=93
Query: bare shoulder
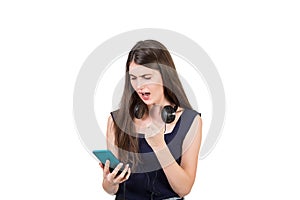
x=194, y=135
x=197, y=127
x=197, y=123
x=110, y=121
x=110, y=131
x=198, y=120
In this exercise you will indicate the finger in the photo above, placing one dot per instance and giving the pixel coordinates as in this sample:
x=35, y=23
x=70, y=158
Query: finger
x=124, y=172
x=128, y=174
x=115, y=171
x=101, y=165
x=106, y=167
x=153, y=130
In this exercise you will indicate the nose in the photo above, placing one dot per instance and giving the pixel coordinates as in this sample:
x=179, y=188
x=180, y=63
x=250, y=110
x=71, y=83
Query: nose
x=139, y=84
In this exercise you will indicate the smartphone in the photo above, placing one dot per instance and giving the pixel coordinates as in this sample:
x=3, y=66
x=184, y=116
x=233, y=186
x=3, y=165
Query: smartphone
x=104, y=155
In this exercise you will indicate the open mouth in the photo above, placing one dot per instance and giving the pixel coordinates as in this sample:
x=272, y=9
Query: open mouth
x=145, y=95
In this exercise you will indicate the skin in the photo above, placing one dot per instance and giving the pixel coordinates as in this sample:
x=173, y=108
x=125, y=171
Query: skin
x=143, y=80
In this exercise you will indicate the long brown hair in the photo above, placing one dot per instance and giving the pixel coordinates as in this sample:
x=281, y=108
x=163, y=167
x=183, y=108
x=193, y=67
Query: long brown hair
x=152, y=54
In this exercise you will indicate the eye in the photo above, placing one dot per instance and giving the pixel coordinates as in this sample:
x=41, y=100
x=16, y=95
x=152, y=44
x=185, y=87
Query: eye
x=147, y=77
x=132, y=77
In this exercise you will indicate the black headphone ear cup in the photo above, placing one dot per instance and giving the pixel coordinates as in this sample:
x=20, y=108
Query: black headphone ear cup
x=168, y=114
x=139, y=111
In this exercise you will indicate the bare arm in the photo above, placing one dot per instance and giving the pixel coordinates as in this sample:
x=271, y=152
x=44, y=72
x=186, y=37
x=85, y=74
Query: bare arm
x=110, y=181
x=181, y=177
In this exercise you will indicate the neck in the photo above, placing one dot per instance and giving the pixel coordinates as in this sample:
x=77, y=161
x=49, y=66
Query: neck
x=161, y=103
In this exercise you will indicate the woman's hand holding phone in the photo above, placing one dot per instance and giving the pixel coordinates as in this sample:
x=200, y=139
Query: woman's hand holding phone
x=114, y=172
x=116, y=176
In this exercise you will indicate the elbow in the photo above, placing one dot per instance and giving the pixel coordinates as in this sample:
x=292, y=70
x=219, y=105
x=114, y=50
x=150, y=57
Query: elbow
x=183, y=194
x=184, y=191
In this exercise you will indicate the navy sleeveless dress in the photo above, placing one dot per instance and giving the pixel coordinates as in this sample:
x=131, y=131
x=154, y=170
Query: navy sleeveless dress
x=150, y=182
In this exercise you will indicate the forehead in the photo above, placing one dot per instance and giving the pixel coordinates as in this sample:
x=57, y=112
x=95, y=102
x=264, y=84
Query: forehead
x=136, y=69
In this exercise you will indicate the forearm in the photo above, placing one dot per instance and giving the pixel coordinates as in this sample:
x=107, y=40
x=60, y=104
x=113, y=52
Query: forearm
x=180, y=181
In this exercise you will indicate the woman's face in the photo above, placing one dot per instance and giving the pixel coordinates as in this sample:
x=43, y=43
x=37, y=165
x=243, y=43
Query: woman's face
x=147, y=83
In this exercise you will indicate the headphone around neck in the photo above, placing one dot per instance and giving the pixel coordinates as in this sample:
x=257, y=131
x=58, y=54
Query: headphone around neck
x=168, y=113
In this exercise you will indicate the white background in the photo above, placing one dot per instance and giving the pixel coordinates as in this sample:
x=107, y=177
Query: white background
x=254, y=45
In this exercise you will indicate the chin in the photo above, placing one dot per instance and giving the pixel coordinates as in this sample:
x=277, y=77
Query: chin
x=148, y=102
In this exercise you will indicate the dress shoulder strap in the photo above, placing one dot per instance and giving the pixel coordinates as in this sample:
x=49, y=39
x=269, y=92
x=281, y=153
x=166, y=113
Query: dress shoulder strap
x=186, y=120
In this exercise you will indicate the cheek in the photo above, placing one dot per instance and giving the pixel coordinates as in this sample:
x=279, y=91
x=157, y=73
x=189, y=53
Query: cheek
x=133, y=85
x=156, y=84
x=156, y=88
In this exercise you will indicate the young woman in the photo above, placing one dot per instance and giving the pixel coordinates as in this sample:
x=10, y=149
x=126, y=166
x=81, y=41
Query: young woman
x=155, y=132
